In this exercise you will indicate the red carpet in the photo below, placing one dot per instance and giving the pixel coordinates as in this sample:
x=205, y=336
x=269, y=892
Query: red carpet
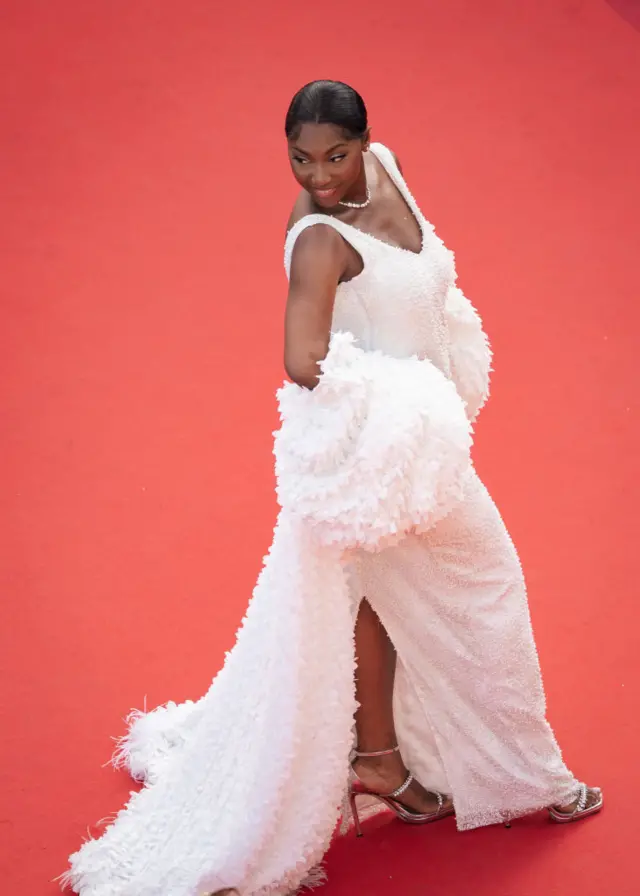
x=145, y=193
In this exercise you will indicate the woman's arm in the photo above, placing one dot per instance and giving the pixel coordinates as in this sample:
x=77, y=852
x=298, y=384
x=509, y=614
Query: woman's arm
x=318, y=262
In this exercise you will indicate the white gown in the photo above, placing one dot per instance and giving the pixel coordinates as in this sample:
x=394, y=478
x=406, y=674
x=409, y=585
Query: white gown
x=243, y=788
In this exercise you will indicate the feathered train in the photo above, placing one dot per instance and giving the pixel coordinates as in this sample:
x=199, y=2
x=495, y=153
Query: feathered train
x=243, y=787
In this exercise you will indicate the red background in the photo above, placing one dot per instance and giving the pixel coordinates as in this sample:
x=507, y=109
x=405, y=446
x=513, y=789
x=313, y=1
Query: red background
x=144, y=197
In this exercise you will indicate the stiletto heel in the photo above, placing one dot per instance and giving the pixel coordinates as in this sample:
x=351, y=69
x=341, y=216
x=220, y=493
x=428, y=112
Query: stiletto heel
x=404, y=813
x=354, y=813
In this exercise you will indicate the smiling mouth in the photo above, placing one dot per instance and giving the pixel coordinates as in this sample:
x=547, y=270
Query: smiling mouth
x=324, y=193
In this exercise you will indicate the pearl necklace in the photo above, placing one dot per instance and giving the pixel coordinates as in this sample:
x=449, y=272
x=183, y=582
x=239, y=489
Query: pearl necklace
x=358, y=204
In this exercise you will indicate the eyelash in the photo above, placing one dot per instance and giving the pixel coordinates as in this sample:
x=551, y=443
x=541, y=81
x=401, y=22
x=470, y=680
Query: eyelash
x=337, y=158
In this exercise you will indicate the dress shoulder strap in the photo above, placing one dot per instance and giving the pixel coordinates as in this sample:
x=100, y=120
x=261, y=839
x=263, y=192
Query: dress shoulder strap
x=385, y=157
x=348, y=233
x=388, y=162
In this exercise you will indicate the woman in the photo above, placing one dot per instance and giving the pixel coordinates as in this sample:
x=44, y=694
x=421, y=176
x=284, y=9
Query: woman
x=368, y=224
x=385, y=525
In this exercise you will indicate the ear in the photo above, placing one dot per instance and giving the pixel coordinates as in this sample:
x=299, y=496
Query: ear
x=366, y=140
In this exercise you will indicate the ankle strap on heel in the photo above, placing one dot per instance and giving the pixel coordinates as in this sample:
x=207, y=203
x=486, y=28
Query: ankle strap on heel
x=377, y=753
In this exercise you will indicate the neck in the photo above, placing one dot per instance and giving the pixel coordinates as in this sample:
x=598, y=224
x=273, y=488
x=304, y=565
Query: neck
x=358, y=191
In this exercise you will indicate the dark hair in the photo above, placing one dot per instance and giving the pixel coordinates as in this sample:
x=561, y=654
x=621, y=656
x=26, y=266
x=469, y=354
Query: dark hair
x=327, y=102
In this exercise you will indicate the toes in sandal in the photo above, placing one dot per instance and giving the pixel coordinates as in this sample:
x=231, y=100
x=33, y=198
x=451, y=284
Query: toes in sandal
x=582, y=809
x=404, y=813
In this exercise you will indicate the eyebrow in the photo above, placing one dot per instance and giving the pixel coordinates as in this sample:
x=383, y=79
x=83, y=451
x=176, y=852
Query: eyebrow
x=331, y=149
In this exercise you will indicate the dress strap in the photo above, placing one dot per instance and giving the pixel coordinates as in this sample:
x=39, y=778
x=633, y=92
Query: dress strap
x=388, y=162
x=350, y=234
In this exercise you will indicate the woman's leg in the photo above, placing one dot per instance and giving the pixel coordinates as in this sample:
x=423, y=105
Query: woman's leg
x=376, y=667
x=376, y=664
x=454, y=603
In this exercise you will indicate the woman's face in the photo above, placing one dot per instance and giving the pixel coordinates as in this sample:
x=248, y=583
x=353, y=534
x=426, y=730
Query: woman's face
x=325, y=162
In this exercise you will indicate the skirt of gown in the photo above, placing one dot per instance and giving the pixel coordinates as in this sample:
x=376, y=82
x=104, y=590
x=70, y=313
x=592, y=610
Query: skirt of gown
x=243, y=787
x=469, y=701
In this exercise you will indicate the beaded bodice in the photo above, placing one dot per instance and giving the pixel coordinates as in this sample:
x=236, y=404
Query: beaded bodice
x=397, y=303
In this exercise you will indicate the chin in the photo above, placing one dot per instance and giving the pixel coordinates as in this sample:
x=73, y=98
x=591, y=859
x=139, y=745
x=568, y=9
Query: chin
x=326, y=203
x=330, y=201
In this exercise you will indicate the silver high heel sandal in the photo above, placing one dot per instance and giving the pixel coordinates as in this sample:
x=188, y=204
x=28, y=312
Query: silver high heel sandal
x=581, y=809
x=404, y=813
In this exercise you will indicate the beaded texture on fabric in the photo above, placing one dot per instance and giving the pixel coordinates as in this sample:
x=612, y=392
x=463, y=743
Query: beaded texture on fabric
x=379, y=498
x=397, y=303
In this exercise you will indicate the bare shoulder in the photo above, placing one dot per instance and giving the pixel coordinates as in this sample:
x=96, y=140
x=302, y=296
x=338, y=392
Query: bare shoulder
x=301, y=208
x=319, y=251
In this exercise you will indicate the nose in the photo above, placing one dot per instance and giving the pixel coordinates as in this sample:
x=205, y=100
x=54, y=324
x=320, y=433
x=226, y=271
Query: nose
x=320, y=179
